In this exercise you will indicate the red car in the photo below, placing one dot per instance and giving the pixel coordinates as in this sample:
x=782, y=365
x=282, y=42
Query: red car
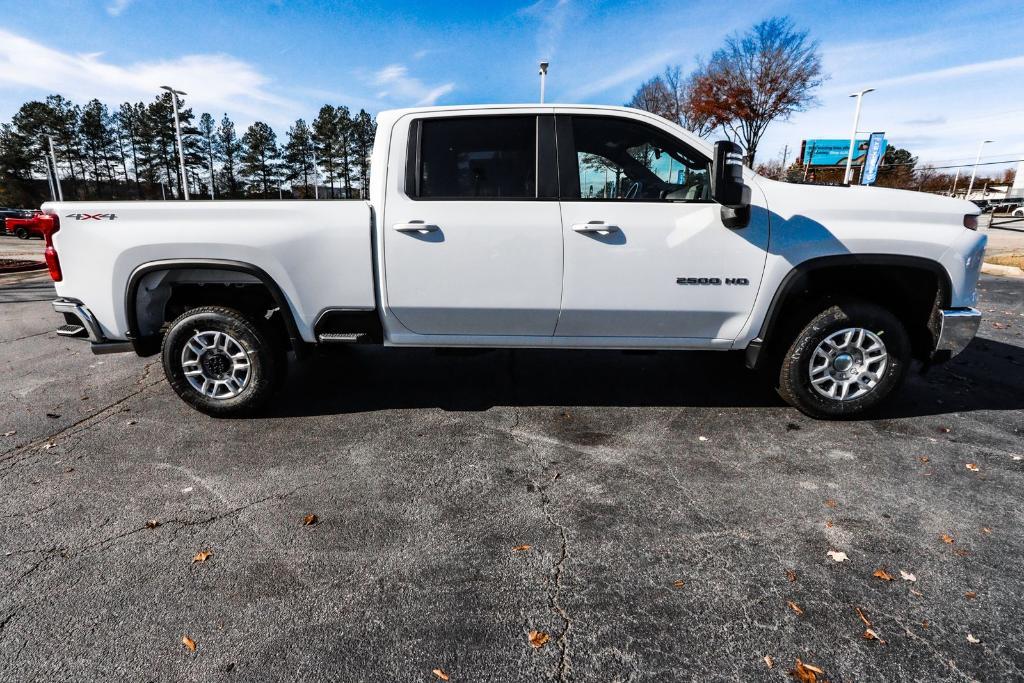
x=24, y=228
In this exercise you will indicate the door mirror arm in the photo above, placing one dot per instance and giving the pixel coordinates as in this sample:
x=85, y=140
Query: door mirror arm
x=727, y=186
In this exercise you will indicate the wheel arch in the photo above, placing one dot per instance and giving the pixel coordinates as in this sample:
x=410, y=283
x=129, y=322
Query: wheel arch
x=802, y=278
x=148, y=344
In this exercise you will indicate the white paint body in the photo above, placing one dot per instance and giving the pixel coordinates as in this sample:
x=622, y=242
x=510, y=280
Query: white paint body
x=517, y=273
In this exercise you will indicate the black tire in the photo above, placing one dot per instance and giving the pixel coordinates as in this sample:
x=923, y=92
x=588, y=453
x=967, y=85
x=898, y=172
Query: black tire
x=266, y=355
x=22, y=233
x=795, y=374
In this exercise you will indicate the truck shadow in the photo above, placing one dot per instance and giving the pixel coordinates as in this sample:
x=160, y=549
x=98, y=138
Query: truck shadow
x=986, y=376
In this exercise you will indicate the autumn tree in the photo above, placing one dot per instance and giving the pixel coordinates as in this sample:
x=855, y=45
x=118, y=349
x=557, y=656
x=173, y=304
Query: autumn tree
x=670, y=95
x=766, y=74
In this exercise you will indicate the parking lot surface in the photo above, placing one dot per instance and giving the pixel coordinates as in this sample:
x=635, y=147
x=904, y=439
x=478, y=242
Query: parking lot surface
x=657, y=516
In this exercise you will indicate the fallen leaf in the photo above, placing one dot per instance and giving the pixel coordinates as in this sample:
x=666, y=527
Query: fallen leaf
x=946, y=538
x=538, y=639
x=924, y=624
x=862, y=617
x=945, y=430
x=907, y=576
x=961, y=552
x=678, y=583
x=48, y=446
x=310, y=519
x=917, y=593
x=795, y=607
x=768, y=661
x=791, y=575
x=971, y=466
x=11, y=433
x=132, y=422
x=972, y=640
x=202, y=556
x=440, y=674
x=828, y=524
x=702, y=438
x=188, y=643
x=985, y=530
x=805, y=673
x=970, y=595
x=923, y=458
x=838, y=556
x=152, y=524
x=830, y=503
x=869, y=634
x=521, y=548
x=883, y=575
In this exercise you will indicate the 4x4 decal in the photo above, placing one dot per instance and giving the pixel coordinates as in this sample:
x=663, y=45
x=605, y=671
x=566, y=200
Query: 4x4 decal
x=92, y=216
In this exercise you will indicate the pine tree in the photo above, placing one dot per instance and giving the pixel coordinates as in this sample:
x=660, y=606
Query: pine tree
x=207, y=132
x=228, y=148
x=364, y=129
x=259, y=159
x=325, y=140
x=298, y=156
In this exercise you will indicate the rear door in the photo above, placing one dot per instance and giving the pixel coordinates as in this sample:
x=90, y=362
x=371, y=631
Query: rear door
x=646, y=253
x=471, y=231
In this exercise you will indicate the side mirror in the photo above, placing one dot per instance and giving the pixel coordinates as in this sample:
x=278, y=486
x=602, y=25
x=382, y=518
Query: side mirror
x=727, y=186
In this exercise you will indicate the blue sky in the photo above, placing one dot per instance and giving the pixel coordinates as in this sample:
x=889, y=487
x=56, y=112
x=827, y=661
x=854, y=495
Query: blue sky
x=948, y=74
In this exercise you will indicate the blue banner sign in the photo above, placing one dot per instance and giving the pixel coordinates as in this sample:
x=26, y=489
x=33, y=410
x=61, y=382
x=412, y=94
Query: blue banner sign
x=833, y=152
x=876, y=149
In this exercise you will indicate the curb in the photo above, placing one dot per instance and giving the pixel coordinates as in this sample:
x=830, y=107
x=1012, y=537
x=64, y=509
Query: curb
x=1005, y=271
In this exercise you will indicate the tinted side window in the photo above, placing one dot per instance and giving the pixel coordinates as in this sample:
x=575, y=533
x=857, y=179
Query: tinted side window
x=478, y=156
x=627, y=160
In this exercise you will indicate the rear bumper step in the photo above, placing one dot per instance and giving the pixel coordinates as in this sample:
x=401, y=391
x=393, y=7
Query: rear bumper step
x=79, y=323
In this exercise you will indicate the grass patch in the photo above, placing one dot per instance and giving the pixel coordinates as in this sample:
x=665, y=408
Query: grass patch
x=1007, y=260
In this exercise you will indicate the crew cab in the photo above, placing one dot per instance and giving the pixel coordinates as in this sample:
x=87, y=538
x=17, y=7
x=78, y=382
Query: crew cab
x=541, y=226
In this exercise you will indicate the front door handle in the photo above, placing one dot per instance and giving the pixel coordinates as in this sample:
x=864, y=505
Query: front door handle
x=595, y=226
x=416, y=226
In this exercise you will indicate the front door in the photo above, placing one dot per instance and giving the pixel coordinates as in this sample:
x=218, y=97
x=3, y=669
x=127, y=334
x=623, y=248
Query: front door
x=646, y=253
x=472, y=234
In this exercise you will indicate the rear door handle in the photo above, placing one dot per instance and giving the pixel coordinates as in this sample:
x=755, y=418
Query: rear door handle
x=595, y=226
x=416, y=226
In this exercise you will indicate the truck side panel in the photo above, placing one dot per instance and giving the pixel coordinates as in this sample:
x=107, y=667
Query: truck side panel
x=318, y=253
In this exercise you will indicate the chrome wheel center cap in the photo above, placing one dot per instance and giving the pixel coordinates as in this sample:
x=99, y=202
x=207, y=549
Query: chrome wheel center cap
x=843, y=362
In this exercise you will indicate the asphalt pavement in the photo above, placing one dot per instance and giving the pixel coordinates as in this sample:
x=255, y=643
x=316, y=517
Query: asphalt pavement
x=657, y=516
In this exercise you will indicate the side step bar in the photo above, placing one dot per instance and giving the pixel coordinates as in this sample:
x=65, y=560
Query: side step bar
x=343, y=338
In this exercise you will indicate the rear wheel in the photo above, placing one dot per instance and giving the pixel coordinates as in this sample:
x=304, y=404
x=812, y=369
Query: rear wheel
x=22, y=233
x=845, y=361
x=221, y=362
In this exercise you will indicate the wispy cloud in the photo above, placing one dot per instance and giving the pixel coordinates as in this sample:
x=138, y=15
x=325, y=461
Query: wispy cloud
x=115, y=7
x=215, y=82
x=398, y=86
x=637, y=71
x=551, y=17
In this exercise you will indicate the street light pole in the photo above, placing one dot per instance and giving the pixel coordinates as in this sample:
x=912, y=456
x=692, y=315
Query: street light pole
x=974, y=171
x=853, y=134
x=956, y=178
x=177, y=133
x=49, y=178
x=543, y=78
x=56, y=178
x=316, y=175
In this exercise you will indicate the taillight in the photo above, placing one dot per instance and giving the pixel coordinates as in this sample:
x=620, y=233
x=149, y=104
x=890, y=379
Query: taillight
x=971, y=221
x=49, y=224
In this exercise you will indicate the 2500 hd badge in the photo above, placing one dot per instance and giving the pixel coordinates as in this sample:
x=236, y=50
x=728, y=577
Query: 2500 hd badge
x=711, y=281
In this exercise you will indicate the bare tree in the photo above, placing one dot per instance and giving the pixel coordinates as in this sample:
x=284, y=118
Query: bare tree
x=768, y=73
x=669, y=95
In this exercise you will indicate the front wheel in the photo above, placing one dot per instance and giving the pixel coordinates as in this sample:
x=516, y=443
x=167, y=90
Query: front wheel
x=845, y=361
x=221, y=362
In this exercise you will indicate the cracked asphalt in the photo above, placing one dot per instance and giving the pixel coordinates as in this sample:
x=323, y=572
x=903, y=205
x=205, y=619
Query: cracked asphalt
x=664, y=498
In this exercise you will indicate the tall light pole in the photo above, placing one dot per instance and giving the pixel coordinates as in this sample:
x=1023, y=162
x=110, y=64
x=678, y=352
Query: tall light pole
x=56, y=178
x=543, y=78
x=853, y=134
x=49, y=178
x=316, y=174
x=974, y=171
x=956, y=179
x=177, y=133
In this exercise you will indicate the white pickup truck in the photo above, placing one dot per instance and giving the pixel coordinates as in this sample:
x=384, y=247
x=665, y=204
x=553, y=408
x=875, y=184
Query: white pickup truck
x=531, y=226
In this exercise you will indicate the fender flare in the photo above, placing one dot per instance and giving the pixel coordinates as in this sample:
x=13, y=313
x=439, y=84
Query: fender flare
x=798, y=275
x=135, y=279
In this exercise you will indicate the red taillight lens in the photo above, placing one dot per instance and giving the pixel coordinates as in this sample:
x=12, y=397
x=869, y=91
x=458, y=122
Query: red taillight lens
x=49, y=224
x=971, y=221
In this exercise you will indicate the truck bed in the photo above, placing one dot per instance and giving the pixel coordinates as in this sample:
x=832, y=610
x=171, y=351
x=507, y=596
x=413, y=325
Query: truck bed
x=318, y=252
